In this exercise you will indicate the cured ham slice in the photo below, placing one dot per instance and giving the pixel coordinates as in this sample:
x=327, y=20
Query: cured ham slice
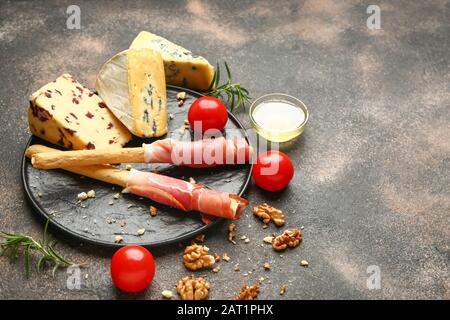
x=185, y=196
x=200, y=153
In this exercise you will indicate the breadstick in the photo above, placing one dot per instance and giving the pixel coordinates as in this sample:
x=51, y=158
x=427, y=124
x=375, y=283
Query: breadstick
x=102, y=172
x=52, y=160
x=200, y=153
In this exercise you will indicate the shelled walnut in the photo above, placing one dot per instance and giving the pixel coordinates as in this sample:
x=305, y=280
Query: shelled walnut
x=153, y=210
x=167, y=294
x=196, y=257
x=267, y=266
x=191, y=288
x=248, y=293
x=267, y=213
x=199, y=238
x=283, y=289
x=289, y=238
x=232, y=233
x=181, y=95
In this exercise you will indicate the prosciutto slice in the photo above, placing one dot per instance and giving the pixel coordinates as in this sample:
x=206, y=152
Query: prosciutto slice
x=200, y=153
x=185, y=196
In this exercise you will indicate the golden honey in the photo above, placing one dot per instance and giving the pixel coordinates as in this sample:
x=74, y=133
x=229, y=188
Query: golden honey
x=278, y=117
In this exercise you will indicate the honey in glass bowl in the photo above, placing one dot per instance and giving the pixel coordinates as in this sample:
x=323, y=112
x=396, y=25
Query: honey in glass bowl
x=278, y=117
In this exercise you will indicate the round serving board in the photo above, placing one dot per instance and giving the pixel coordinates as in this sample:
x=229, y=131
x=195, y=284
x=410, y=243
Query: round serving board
x=53, y=193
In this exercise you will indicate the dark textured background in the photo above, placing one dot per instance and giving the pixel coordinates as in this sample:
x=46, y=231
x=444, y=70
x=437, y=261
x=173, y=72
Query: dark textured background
x=372, y=168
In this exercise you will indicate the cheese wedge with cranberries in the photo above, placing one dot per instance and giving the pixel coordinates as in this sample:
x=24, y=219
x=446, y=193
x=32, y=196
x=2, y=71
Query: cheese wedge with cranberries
x=132, y=84
x=182, y=68
x=66, y=113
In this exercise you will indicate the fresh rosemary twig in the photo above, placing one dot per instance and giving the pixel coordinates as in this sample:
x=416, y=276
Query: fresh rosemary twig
x=236, y=94
x=14, y=243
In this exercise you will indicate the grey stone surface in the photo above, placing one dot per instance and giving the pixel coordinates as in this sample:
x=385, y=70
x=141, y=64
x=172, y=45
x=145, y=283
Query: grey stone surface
x=372, y=169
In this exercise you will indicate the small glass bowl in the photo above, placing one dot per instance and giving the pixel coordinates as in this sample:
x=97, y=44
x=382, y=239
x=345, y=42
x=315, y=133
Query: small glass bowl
x=279, y=135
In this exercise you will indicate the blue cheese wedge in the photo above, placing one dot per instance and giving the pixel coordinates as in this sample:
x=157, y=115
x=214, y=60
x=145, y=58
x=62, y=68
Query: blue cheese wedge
x=132, y=83
x=182, y=68
x=147, y=90
x=66, y=113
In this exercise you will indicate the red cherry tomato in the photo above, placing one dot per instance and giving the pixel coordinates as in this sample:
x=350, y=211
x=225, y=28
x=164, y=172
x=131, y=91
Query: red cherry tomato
x=210, y=112
x=132, y=268
x=273, y=170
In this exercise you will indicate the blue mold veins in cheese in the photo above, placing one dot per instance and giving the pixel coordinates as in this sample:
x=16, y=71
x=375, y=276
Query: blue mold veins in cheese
x=132, y=83
x=182, y=68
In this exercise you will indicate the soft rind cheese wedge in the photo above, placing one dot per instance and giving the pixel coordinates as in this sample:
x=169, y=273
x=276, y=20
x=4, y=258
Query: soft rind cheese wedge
x=66, y=113
x=132, y=84
x=182, y=68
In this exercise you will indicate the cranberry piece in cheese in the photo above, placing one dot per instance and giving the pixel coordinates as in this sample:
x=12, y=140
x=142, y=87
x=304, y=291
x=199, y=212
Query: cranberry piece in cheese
x=76, y=122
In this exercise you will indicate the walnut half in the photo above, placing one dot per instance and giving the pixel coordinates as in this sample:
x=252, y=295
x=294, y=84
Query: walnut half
x=248, y=293
x=191, y=288
x=196, y=257
x=153, y=210
x=232, y=233
x=267, y=213
x=289, y=238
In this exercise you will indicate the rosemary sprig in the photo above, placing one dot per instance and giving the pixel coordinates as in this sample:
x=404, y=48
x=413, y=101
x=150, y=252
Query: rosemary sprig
x=16, y=243
x=236, y=95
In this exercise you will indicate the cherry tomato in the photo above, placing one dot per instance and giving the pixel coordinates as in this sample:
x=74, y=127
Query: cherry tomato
x=132, y=268
x=210, y=112
x=273, y=170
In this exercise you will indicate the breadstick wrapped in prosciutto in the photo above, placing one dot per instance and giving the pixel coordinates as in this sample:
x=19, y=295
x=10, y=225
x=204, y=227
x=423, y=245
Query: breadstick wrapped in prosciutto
x=201, y=153
x=170, y=191
x=186, y=196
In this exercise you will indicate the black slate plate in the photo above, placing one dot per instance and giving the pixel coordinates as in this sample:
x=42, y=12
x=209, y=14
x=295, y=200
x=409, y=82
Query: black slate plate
x=53, y=193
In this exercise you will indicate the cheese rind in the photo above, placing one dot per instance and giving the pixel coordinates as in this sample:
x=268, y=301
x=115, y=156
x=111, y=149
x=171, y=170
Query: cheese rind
x=147, y=90
x=66, y=113
x=123, y=85
x=112, y=87
x=182, y=68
